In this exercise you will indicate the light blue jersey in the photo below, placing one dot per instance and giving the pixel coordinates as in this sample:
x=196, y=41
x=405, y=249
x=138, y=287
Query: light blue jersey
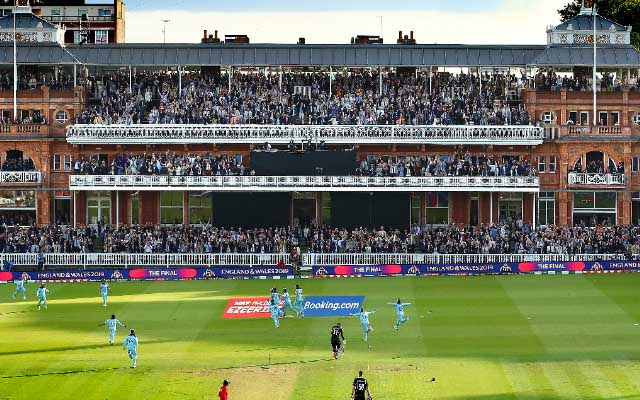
x=287, y=304
x=299, y=304
x=20, y=289
x=42, y=296
x=275, y=311
x=364, y=321
x=104, y=291
x=400, y=314
x=112, y=324
x=131, y=344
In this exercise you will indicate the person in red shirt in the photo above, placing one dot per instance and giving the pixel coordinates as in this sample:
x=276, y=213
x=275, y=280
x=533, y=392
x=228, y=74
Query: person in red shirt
x=222, y=393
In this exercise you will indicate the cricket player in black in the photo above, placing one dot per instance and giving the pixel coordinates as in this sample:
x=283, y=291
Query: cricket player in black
x=360, y=388
x=337, y=336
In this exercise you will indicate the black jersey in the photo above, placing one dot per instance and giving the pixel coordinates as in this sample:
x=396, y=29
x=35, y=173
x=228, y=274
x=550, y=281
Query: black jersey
x=360, y=387
x=336, y=333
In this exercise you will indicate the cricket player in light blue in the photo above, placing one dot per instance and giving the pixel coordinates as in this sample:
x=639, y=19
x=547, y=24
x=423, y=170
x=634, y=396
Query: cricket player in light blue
x=275, y=297
x=275, y=312
x=42, y=296
x=112, y=323
x=299, y=304
x=131, y=345
x=20, y=289
x=287, y=303
x=399, y=306
x=364, y=320
x=104, y=291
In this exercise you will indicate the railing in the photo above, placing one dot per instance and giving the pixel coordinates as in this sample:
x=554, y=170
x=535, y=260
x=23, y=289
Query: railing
x=31, y=177
x=14, y=129
x=107, y=260
x=596, y=179
x=120, y=134
x=381, y=259
x=73, y=18
x=289, y=183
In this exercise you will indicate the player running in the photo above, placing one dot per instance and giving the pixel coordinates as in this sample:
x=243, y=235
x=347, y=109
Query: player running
x=360, y=387
x=287, y=303
x=275, y=313
x=20, y=289
x=337, y=339
x=42, y=296
x=299, y=304
x=104, y=292
x=399, y=306
x=112, y=323
x=131, y=344
x=364, y=320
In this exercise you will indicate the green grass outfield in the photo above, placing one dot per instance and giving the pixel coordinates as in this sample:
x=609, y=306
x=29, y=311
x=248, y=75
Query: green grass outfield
x=490, y=337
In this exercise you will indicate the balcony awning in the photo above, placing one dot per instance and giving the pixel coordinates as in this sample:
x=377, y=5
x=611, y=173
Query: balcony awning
x=610, y=56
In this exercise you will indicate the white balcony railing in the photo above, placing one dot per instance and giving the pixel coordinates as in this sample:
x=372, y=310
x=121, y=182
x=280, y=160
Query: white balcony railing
x=105, y=260
x=11, y=177
x=113, y=261
x=382, y=259
x=596, y=179
x=295, y=183
x=345, y=134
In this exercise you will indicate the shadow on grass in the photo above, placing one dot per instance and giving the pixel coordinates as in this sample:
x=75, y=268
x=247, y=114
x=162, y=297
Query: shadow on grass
x=72, y=348
x=524, y=396
x=73, y=372
x=320, y=360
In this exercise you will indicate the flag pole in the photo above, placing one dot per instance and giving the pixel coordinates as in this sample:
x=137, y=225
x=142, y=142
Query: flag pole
x=15, y=66
x=595, y=60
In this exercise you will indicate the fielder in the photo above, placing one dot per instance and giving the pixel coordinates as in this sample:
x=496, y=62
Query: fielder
x=399, y=306
x=42, y=296
x=112, y=323
x=20, y=289
x=364, y=320
x=131, y=345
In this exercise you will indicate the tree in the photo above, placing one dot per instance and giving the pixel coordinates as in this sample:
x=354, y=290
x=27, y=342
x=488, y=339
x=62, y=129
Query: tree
x=624, y=12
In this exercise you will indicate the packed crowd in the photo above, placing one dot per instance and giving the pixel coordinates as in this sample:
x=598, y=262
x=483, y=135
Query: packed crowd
x=507, y=238
x=456, y=165
x=163, y=164
x=18, y=164
x=305, y=98
x=552, y=81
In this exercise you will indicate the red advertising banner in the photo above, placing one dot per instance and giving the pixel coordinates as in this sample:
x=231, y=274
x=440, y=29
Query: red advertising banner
x=247, y=307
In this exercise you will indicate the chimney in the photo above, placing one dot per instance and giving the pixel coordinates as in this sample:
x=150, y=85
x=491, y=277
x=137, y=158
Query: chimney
x=302, y=41
x=205, y=34
x=216, y=34
x=399, y=35
x=411, y=35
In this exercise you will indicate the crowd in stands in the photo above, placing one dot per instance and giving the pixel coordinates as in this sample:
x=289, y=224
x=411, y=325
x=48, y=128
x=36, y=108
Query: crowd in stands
x=163, y=164
x=552, y=81
x=18, y=164
x=456, y=165
x=598, y=167
x=305, y=98
x=514, y=237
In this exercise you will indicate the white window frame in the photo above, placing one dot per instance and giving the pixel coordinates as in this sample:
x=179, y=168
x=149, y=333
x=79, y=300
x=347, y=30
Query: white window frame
x=101, y=32
x=547, y=117
x=583, y=113
x=552, y=164
x=635, y=164
x=57, y=159
x=636, y=118
x=576, y=121
x=60, y=120
x=603, y=113
x=617, y=118
x=542, y=164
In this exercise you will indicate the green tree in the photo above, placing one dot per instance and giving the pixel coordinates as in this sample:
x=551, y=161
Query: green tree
x=625, y=12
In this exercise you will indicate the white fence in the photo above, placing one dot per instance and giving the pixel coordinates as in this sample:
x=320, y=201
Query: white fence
x=345, y=134
x=30, y=177
x=381, y=259
x=295, y=183
x=104, y=260
x=596, y=179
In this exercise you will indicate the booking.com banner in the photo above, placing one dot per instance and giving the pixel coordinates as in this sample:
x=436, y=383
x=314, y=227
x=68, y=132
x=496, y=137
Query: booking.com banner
x=314, y=306
x=151, y=274
x=332, y=306
x=476, y=269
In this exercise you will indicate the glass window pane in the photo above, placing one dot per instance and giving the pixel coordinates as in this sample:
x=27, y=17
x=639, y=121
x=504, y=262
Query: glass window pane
x=583, y=200
x=432, y=199
x=437, y=216
x=605, y=200
x=135, y=210
x=443, y=199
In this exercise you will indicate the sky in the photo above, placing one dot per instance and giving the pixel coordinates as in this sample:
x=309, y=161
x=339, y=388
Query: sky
x=336, y=21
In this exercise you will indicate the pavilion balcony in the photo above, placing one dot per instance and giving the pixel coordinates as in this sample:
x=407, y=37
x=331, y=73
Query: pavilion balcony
x=302, y=183
x=282, y=134
x=584, y=179
x=8, y=178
